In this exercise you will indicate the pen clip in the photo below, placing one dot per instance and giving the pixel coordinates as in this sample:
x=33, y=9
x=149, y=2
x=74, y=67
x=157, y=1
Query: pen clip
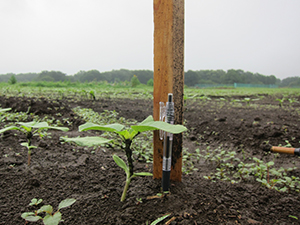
x=162, y=117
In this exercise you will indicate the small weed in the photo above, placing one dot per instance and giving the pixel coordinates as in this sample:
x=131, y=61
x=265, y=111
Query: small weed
x=51, y=218
x=35, y=201
x=158, y=220
x=294, y=217
x=139, y=201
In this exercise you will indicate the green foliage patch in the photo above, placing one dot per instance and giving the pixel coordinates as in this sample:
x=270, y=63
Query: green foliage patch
x=50, y=218
x=231, y=168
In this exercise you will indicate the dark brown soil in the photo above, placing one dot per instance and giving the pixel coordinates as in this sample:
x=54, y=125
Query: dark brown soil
x=61, y=170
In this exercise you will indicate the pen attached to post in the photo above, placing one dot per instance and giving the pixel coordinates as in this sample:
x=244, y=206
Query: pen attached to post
x=168, y=141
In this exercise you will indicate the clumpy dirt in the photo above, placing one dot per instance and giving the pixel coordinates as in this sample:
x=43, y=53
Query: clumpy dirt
x=62, y=170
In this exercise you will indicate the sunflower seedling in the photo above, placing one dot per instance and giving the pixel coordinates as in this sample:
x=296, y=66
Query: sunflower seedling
x=127, y=136
x=31, y=129
x=50, y=217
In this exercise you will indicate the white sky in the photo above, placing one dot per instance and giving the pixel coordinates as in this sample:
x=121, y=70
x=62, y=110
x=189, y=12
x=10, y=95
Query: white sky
x=260, y=36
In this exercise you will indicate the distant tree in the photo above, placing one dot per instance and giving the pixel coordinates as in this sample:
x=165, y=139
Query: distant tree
x=92, y=75
x=6, y=77
x=51, y=76
x=79, y=75
x=150, y=82
x=215, y=75
x=233, y=76
x=121, y=74
x=46, y=78
x=25, y=77
x=271, y=79
x=278, y=81
x=12, y=80
x=191, y=78
x=143, y=75
x=135, y=81
x=290, y=82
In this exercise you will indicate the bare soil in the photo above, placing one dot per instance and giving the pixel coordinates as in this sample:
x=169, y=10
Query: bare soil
x=61, y=170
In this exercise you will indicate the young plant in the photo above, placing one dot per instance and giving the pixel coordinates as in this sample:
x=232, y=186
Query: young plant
x=235, y=101
x=30, y=129
x=2, y=111
x=158, y=220
x=294, y=217
x=248, y=100
x=127, y=136
x=35, y=201
x=92, y=94
x=292, y=100
x=50, y=217
x=280, y=101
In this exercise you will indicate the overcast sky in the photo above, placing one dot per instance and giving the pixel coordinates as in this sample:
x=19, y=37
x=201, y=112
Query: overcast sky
x=260, y=36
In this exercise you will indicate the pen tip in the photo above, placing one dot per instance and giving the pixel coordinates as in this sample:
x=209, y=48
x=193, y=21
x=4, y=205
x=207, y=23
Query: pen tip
x=170, y=97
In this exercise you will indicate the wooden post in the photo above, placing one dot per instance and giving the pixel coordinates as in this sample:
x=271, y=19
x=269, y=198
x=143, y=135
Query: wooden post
x=168, y=76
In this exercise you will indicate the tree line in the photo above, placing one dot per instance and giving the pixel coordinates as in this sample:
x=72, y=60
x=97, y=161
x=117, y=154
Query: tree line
x=146, y=76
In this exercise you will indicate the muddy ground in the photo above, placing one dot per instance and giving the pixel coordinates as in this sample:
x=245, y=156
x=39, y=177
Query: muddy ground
x=61, y=170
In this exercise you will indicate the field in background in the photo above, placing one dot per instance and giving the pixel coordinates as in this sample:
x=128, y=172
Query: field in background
x=221, y=183
x=104, y=89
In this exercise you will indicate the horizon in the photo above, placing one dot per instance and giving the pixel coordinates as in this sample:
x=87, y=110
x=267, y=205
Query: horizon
x=138, y=70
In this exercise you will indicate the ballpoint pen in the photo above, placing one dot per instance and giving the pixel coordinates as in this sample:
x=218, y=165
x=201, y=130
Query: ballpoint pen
x=168, y=140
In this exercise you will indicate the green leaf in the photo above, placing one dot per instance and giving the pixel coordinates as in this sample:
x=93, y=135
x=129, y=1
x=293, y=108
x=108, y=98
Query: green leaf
x=33, y=124
x=149, y=124
x=120, y=162
x=128, y=134
x=52, y=220
x=115, y=127
x=34, y=201
x=124, y=133
x=56, y=128
x=288, y=179
x=148, y=119
x=65, y=203
x=87, y=141
x=4, y=110
x=142, y=174
x=159, y=219
x=9, y=128
x=284, y=189
x=25, y=144
x=32, y=218
x=26, y=214
x=40, y=126
x=46, y=208
x=159, y=125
